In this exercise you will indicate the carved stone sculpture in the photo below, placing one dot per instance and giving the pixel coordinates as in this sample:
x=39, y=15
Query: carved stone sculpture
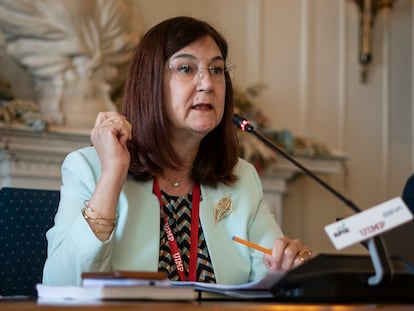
x=76, y=50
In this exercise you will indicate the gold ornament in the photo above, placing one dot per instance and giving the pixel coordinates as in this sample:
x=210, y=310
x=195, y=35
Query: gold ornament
x=222, y=209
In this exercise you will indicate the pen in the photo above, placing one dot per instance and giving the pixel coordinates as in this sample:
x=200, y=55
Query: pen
x=252, y=245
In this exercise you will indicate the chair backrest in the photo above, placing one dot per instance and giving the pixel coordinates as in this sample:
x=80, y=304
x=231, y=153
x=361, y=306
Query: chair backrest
x=25, y=216
x=408, y=193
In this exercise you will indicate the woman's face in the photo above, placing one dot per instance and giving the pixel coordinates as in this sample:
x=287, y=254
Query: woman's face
x=194, y=87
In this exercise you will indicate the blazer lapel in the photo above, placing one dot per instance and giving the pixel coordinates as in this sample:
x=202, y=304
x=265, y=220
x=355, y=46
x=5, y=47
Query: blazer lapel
x=218, y=236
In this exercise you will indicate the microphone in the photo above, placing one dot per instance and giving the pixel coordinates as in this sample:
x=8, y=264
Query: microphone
x=308, y=277
x=245, y=125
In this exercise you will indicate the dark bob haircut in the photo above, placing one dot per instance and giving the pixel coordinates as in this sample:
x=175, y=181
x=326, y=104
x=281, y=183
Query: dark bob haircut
x=143, y=106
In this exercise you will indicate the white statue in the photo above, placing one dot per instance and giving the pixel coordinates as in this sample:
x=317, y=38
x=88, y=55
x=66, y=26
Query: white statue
x=76, y=50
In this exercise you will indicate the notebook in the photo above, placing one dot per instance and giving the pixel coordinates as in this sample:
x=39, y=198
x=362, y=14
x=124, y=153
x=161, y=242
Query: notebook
x=143, y=285
x=115, y=292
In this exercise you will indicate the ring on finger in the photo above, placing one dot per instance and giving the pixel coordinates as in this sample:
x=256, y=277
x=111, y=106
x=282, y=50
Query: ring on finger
x=113, y=122
x=304, y=255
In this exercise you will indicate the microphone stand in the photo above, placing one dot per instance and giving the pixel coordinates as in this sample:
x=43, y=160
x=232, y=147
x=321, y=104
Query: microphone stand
x=376, y=246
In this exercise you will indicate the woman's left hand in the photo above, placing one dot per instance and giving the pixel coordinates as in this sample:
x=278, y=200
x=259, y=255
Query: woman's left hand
x=286, y=254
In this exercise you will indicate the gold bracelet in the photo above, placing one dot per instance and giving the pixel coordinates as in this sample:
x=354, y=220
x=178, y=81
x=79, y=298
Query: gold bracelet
x=96, y=219
x=101, y=231
x=97, y=222
x=99, y=215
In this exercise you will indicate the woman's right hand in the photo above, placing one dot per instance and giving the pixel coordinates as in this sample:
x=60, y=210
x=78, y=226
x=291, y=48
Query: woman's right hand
x=109, y=137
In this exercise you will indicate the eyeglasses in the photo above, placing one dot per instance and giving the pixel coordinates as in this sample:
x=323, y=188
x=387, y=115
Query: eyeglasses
x=187, y=71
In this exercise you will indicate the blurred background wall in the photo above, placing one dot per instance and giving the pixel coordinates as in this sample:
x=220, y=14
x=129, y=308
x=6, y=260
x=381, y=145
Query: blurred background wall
x=306, y=52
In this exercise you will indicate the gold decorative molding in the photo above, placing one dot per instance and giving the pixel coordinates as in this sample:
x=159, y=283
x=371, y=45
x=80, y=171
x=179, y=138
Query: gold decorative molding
x=368, y=10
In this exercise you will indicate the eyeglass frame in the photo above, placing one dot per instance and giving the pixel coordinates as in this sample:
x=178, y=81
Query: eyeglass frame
x=201, y=70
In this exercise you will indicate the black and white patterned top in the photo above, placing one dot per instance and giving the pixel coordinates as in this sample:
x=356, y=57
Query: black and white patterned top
x=178, y=212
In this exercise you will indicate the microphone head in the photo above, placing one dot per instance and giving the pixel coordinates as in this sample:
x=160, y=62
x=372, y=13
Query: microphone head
x=242, y=123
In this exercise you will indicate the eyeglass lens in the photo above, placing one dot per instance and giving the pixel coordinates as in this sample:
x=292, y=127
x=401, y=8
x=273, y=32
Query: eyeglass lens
x=186, y=70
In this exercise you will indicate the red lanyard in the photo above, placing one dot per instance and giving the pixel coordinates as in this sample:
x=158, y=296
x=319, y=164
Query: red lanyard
x=175, y=252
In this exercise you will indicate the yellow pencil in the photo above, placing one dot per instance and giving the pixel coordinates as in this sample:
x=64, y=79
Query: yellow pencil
x=252, y=245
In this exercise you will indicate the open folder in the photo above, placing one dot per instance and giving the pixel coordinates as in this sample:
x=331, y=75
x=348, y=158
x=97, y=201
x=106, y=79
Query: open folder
x=252, y=290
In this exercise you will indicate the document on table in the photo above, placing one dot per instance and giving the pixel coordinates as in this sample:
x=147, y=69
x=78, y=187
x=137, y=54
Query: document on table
x=106, y=289
x=259, y=289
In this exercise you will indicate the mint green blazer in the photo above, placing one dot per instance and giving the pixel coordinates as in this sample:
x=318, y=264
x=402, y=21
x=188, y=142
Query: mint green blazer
x=134, y=244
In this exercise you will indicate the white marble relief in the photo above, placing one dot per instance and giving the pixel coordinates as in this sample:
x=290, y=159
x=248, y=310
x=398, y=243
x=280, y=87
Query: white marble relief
x=77, y=52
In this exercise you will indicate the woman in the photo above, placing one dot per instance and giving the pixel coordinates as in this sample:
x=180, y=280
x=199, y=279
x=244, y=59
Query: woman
x=162, y=188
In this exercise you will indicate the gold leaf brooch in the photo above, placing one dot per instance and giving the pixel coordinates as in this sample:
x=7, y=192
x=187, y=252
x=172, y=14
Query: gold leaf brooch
x=222, y=209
